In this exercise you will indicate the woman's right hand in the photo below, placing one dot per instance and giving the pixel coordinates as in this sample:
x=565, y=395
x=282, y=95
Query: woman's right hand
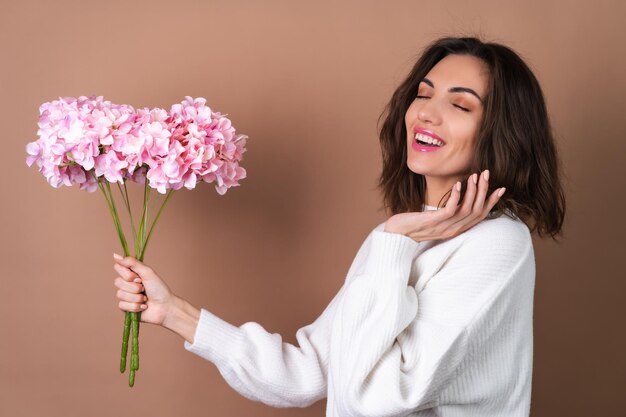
x=138, y=285
x=451, y=220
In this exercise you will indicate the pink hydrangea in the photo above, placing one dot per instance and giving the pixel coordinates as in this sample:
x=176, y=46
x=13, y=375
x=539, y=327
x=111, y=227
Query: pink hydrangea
x=212, y=150
x=72, y=134
x=80, y=138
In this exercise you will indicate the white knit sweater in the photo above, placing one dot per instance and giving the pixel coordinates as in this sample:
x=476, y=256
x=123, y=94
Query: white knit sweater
x=435, y=328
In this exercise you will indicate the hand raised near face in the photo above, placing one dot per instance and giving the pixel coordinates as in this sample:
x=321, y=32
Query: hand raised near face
x=452, y=219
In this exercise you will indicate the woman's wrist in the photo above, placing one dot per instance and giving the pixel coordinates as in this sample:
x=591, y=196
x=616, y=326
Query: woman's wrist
x=182, y=318
x=392, y=228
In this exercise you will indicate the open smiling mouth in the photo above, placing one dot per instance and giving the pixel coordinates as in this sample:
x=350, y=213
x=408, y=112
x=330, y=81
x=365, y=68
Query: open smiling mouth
x=428, y=141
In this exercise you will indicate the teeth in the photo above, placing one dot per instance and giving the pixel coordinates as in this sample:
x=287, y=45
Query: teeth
x=428, y=139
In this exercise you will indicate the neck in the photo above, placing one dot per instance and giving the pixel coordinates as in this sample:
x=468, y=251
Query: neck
x=436, y=188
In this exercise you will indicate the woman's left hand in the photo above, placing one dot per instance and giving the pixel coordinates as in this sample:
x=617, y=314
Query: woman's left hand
x=452, y=219
x=135, y=276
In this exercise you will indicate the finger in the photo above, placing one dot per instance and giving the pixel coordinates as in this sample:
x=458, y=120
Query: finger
x=466, y=217
x=483, y=186
x=461, y=217
x=468, y=201
x=491, y=202
x=125, y=273
x=132, y=307
x=493, y=199
x=128, y=286
x=131, y=298
x=133, y=264
x=453, y=201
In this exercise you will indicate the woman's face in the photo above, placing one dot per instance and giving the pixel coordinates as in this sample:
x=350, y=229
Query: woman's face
x=447, y=108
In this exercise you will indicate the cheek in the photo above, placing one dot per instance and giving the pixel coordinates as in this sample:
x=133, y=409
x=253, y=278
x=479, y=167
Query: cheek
x=411, y=113
x=466, y=150
x=465, y=146
x=466, y=135
x=408, y=116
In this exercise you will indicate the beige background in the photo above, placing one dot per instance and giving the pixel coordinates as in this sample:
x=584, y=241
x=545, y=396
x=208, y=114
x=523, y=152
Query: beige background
x=306, y=81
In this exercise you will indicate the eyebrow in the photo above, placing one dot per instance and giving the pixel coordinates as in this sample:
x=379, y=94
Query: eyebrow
x=455, y=89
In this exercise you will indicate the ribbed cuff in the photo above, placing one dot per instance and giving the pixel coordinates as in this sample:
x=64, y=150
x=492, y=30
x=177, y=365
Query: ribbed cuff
x=215, y=340
x=391, y=254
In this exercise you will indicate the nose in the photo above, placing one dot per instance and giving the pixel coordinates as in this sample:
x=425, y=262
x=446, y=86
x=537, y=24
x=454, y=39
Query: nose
x=428, y=113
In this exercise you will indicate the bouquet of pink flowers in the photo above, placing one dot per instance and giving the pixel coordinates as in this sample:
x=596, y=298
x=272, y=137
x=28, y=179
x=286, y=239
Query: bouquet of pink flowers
x=91, y=142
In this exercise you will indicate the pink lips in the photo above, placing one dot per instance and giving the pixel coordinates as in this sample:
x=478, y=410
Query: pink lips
x=423, y=148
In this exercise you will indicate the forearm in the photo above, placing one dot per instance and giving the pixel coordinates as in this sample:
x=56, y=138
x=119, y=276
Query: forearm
x=182, y=319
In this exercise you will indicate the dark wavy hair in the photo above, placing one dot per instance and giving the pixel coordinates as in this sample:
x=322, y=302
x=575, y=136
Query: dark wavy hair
x=514, y=140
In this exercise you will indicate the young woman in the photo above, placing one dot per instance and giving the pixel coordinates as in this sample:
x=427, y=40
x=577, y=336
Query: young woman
x=435, y=315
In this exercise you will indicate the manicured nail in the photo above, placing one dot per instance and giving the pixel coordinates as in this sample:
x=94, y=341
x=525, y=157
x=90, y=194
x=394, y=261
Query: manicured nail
x=458, y=185
x=116, y=256
x=143, y=306
x=137, y=280
x=502, y=190
x=486, y=174
x=475, y=178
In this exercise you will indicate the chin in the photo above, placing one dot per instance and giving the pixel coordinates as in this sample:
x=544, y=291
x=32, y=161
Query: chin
x=416, y=168
x=415, y=171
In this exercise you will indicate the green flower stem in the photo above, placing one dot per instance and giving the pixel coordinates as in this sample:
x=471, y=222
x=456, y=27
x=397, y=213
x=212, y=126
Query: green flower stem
x=132, y=320
x=169, y=194
x=124, y=195
x=127, y=320
x=117, y=218
x=127, y=314
x=116, y=221
x=138, y=326
x=136, y=316
x=145, y=222
x=142, y=225
x=134, y=353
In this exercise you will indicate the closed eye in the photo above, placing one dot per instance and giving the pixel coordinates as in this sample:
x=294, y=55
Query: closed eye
x=455, y=105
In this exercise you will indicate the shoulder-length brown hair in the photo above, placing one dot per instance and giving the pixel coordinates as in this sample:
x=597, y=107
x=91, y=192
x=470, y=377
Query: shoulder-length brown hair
x=514, y=141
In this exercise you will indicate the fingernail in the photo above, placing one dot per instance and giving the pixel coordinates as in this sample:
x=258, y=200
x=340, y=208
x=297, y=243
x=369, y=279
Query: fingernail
x=116, y=256
x=137, y=280
x=486, y=174
x=475, y=178
x=502, y=190
x=458, y=185
x=143, y=306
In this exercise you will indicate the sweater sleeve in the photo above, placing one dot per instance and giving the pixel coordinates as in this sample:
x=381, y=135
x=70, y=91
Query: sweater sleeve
x=260, y=366
x=392, y=355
